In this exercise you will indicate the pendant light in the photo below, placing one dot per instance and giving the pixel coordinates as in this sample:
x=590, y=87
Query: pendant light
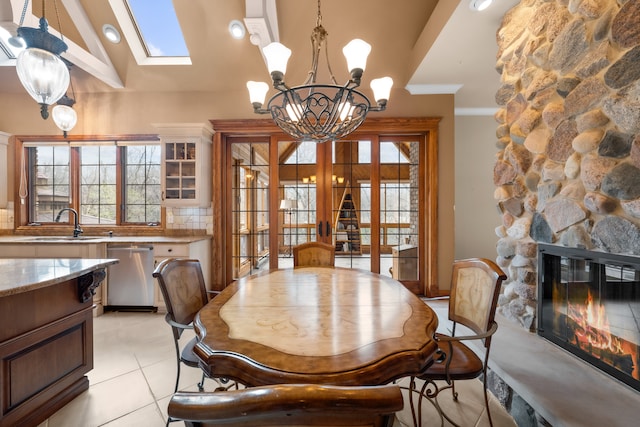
x=41, y=70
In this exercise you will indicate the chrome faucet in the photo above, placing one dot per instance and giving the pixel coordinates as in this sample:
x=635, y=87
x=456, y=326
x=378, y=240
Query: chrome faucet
x=76, y=222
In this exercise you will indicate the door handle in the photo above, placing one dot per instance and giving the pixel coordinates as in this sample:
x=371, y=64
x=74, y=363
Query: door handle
x=328, y=229
x=320, y=229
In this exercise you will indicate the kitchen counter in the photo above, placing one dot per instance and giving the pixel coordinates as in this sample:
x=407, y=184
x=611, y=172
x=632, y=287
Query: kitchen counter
x=23, y=275
x=98, y=247
x=46, y=339
x=100, y=239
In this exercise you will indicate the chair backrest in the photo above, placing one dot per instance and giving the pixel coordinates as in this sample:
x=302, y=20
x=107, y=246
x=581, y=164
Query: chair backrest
x=183, y=288
x=475, y=288
x=314, y=254
x=289, y=404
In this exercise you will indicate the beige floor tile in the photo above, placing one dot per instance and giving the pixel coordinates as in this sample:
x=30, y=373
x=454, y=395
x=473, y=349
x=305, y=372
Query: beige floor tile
x=105, y=401
x=161, y=377
x=148, y=416
x=134, y=376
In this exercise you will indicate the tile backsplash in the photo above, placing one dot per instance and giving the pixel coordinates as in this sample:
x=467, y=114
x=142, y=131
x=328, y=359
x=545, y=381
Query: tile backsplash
x=190, y=219
x=6, y=217
x=177, y=218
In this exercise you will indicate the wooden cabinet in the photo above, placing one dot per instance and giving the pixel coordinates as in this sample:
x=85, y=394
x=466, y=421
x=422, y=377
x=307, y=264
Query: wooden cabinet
x=46, y=339
x=200, y=250
x=347, y=227
x=186, y=164
x=405, y=262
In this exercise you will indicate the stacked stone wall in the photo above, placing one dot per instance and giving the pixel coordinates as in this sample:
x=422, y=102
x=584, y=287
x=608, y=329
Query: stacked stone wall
x=567, y=170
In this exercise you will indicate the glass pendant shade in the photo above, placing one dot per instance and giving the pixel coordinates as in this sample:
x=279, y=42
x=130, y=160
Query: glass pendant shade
x=65, y=117
x=277, y=56
x=356, y=52
x=43, y=74
x=257, y=91
x=381, y=88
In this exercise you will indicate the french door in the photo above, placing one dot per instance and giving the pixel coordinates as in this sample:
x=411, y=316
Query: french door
x=365, y=195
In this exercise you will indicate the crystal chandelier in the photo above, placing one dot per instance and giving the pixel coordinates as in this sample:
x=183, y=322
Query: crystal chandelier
x=318, y=112
x=40, y=68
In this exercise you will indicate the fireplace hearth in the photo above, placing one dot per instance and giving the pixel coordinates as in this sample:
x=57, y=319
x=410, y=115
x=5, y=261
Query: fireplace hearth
x=589, y=304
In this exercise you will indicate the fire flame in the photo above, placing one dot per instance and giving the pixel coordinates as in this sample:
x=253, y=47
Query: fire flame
x=594, y=326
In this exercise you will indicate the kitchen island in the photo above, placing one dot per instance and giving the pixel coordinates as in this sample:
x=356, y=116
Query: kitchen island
x=197, y=247
x=46, y=338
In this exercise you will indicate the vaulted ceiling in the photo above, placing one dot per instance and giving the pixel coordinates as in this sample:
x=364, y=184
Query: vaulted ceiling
x=426, y=46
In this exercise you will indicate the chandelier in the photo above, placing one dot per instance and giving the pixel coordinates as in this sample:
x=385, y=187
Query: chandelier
x=40, y=68
x=318, y=112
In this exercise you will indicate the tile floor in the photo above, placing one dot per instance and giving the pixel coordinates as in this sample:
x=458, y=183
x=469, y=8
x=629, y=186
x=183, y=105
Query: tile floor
x=134, y=376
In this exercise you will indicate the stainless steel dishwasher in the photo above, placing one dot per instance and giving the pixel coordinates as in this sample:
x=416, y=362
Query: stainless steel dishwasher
x=130, y=282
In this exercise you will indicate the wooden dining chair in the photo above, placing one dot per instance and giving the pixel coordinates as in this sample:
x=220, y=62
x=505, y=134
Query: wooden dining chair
x=314, y=254
x=184, y=292
x=183, y=289
x=474, y=294
x=289, y=404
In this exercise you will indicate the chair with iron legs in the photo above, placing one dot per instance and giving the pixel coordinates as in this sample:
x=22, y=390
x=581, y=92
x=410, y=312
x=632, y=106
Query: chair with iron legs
x=475, y=288
x=183, y=289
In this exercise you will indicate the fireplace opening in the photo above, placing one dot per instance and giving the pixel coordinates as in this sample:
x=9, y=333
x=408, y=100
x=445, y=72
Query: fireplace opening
x=589, y=304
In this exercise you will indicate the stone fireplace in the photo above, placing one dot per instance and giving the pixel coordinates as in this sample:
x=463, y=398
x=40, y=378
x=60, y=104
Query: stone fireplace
x=567, y=170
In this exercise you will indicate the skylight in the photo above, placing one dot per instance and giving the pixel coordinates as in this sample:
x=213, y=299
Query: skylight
x=158, y=27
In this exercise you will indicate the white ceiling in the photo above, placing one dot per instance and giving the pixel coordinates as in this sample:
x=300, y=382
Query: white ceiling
x=427, y=46
x=463, y=59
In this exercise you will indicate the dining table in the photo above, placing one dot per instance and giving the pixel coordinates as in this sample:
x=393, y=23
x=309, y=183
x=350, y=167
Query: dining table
x=321, y=325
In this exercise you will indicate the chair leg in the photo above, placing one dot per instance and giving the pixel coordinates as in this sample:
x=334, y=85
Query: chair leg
x=486, y=400
x=177, y=377
x=201, y=383
x=453, y=390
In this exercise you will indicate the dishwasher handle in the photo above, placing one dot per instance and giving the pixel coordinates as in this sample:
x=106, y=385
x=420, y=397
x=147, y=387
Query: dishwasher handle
x=130, y=248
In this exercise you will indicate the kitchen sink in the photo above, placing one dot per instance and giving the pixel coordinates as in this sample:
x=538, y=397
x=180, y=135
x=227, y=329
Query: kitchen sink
x=64, y=238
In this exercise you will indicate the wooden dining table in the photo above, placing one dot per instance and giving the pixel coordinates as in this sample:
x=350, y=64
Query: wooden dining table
x=320, y=325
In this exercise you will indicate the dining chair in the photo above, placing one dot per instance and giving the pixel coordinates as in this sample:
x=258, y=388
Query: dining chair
x=290, y=404
x=475, y=287
x=314, y=254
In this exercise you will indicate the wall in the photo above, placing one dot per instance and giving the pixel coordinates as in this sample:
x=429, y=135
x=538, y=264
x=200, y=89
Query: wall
x=476, y=216
x=135, y=113
x=568, y=171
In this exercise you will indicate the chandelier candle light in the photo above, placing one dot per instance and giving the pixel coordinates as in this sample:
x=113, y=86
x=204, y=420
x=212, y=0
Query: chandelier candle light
x=318, y=112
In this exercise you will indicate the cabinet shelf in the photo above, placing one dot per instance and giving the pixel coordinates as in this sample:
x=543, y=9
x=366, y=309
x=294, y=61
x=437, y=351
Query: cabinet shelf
x=346, y=237
x=186, y=164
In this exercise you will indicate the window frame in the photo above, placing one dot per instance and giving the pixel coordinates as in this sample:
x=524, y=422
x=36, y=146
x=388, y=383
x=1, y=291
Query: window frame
x=21, y=210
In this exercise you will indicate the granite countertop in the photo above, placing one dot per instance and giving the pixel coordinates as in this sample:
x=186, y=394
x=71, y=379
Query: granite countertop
x=19, y=275
x=101, y=239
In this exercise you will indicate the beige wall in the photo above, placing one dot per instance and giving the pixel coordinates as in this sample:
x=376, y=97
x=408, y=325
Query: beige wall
x=476, y=216
x=131, y=113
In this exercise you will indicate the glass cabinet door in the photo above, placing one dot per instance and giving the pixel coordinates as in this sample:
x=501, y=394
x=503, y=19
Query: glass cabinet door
x=186, y=160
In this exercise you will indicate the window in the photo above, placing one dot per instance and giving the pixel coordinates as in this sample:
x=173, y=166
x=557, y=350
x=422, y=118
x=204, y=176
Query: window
x=152, y=30
x=158, y=27
x=107, y=182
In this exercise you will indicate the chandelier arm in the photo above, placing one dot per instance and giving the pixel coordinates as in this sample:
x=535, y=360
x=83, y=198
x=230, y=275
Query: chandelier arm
x=382, y=105
x=326, y=53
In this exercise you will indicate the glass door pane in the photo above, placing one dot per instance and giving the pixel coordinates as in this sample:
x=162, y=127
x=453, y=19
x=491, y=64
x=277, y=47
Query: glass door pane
x=399, y=214
x=297, y=192
x=351, y=213
x=250, y=207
